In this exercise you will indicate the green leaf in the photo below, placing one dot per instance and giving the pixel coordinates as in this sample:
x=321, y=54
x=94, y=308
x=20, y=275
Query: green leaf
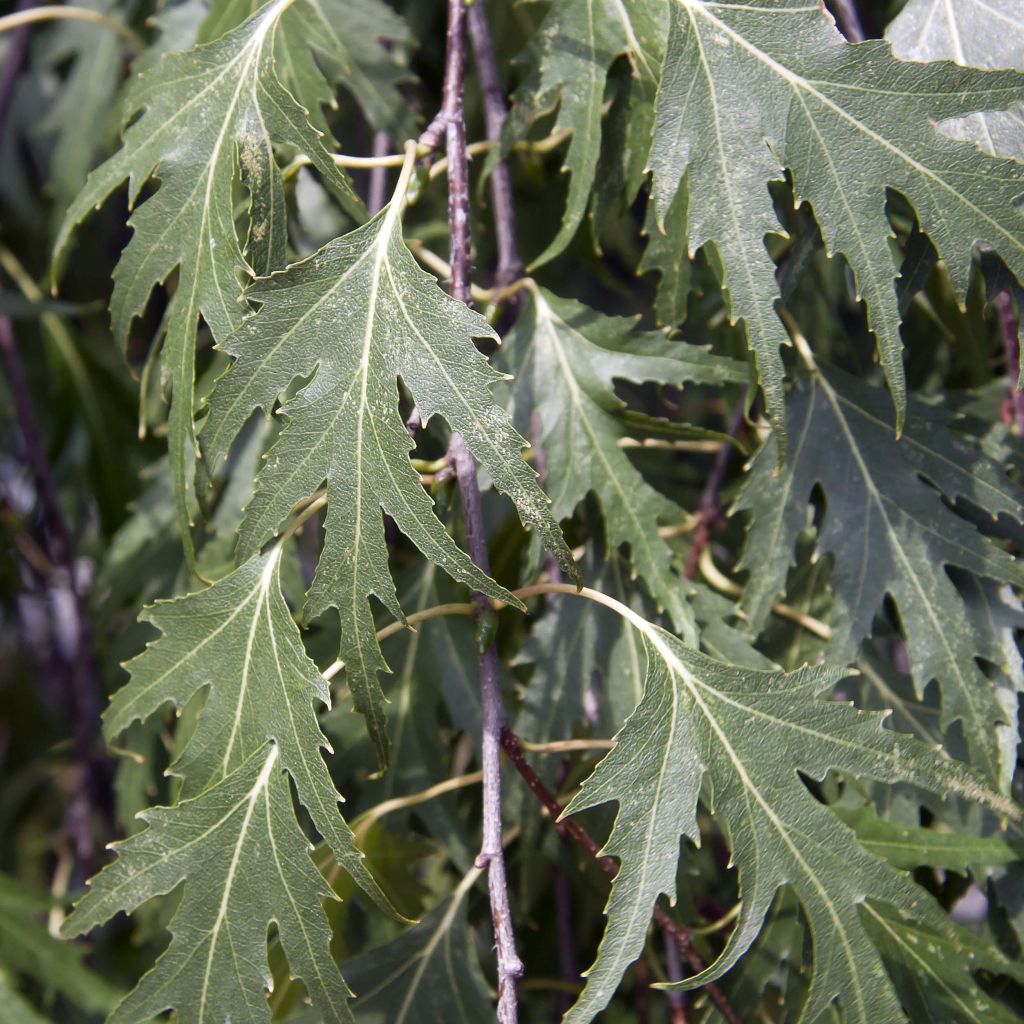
x=429, y=973
x=245, y=864
x=237, y=641
x=26, y=946
x=932, y=971
x=891, y=533
x=347, y=39
x=361, y=314
x=567, y=360
x=18, y=1010
x=79, y=117
x=569, y=61
x=750, y=88
x=207, y=118
x=980, y=33
x=702, y=723
x=908, y=848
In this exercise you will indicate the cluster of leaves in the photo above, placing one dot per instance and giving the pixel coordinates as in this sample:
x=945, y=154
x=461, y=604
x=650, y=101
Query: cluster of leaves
x=773, y=330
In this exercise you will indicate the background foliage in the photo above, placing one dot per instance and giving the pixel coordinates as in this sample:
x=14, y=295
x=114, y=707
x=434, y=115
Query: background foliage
x=766, y=360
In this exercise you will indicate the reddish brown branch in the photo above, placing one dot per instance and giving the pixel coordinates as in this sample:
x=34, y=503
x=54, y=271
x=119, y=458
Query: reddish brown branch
x=571, y=828
x=709, y=511
x=1009, y=329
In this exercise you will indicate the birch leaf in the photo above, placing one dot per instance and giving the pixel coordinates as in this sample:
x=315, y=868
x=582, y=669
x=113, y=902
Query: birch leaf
x=245, y=864
x=570, y=357
x=751, y=88
x=205, y=118
x=358, y=315
x=890, y=532
x=744, y=735
x=237, y=641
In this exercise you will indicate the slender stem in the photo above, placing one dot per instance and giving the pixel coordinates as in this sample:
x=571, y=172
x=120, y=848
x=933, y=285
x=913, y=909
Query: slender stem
x=363, y=824
x=377, y=193
x=510, y=265
x=674, y=970
x=51, y=12
x=491, y=855
x=410, y=620
x=1011, y=351
x=377, y=160
x=572, y=828
x=709, y=510
x=458, y=160
x=848, y=20
x=722, y=583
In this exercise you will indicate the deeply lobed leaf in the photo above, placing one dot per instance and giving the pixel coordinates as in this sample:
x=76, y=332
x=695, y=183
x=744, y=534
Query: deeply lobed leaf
x=361, y=314
x=207, y=119
x=567, y=358
x=751, y=88
x=245, y=864
x=743, y=735
x=237, y=641
x=890, y=532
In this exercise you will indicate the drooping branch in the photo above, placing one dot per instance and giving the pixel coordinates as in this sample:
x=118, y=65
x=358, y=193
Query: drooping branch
x=1009, y=329
x=709, y=511
x=510, y=265
x=575, y=831
x=491, y=855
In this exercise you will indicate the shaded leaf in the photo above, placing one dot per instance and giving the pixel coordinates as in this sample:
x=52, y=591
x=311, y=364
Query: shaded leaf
x=26, y=946
x=750, y=88
x=429, y=973
x=932, y=970
x=909, y=848
x=891, y=533
x=567, y=360
x=569, y=62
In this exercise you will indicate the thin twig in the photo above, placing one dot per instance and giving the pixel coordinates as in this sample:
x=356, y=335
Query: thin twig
x=51, y=12
x=1011, y=351
x=722, y=583
x=510, y=265
x=491, y=855
x=575, y=831
x=378, y=190
x=510, y=967
x=709, y=511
